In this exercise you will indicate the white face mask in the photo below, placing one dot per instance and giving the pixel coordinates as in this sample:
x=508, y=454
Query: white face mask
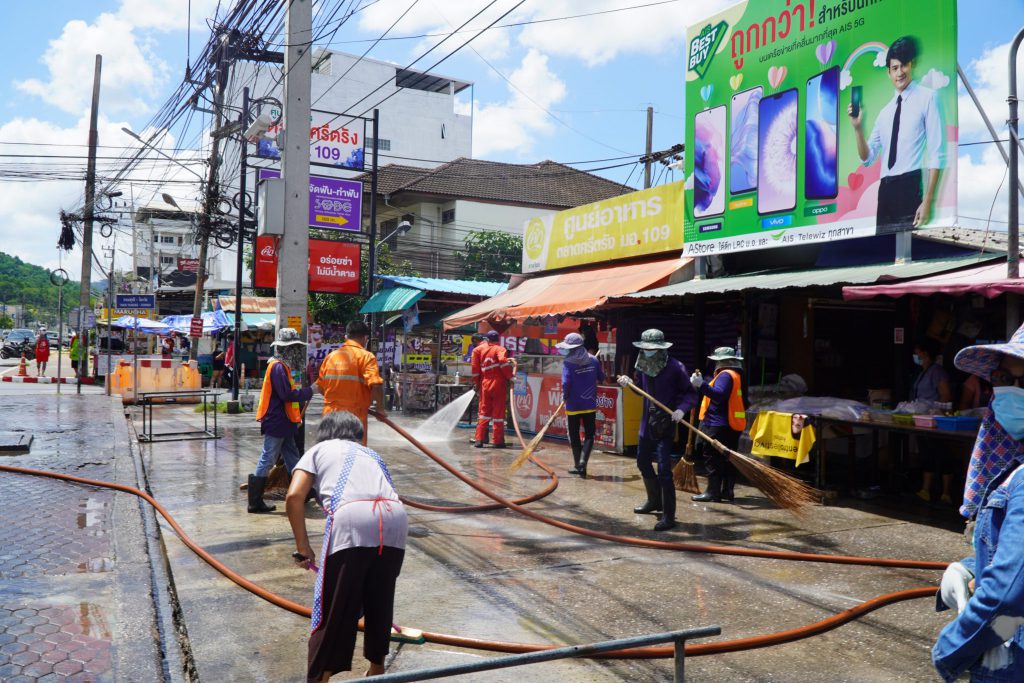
x=649, y=353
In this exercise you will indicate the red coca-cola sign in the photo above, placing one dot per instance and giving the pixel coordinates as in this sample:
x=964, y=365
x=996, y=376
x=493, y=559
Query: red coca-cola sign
x=266, y=262
x=524, y=402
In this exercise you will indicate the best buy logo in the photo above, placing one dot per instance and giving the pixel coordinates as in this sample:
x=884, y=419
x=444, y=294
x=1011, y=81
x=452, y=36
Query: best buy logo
x=704, y=47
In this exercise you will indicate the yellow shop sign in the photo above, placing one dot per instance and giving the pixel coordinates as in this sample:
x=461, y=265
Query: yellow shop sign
x=635, y=224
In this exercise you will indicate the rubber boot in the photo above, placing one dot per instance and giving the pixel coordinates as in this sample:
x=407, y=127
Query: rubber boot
x=588, y=446
x=668, y=516
x=713, y=493
x=729, y=485
x=653, y=503
x=256, y=486
x=575, y=460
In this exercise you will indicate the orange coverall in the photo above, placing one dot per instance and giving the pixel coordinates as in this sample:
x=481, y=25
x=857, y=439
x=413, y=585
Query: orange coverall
x=492, y=369
x=346, y=377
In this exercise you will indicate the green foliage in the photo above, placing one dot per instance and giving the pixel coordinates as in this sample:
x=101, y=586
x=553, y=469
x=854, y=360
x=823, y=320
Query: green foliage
x=24, y=283
x=490, y=255
x=6, y=322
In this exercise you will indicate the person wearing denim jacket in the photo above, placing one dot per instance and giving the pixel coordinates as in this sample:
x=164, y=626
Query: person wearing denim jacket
x=987, y=638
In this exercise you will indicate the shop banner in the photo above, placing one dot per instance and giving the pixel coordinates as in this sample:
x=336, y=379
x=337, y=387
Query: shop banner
x=334, y=267
x=334, y=203
x=321, y=340
x=782, y=435
x=607, y=416
x=265, y=263
x=635, y=224
x=334, y=140
x=819, y=120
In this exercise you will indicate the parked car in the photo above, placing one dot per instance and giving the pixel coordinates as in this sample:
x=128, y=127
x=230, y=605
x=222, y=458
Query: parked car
x=53, y=339
x=19, y=335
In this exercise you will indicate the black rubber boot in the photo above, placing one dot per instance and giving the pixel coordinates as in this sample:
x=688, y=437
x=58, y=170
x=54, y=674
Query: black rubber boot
x=588, y=446
x=256, y=486
x=713, y=493
x=575, y=461
x=668, y=516
x=729, y=485
x=653, y=503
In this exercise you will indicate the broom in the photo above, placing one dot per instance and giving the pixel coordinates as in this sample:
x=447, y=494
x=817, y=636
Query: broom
x=684, y=476
x=530, y=447
x=785, y=491
x=278, y=477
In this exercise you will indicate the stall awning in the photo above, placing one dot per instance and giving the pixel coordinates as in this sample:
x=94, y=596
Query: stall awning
x=567, y=293
x=988, y=280
x=392, y=299
x=821, y=277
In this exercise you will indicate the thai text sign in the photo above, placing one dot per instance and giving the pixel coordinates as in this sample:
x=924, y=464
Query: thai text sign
x=334, y=267
x=334, y=203
x=819, y=120
x=188, y=265
x=334, y=140
x=635, y=224
x=135, y=302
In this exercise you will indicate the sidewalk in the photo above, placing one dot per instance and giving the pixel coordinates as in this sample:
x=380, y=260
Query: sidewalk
x=76, y=583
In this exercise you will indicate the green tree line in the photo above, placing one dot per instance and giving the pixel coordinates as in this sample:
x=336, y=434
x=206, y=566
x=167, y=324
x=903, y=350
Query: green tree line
x=29, y=285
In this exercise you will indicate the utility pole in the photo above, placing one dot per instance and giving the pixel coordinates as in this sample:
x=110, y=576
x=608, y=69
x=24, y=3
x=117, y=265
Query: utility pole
x=293, y=246
x=243, y=208
x=90, y=196
x=212, y=195
x=372, y=258
x=650, y=142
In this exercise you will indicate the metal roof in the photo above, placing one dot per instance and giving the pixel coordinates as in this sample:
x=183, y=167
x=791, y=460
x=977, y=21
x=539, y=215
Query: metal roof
x=430, y=284
x=823, y=277
x=392, y=299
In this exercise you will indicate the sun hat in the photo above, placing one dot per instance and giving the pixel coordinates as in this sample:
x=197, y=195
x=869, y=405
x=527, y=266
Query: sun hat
x=571, y=341
x=287, y=336
x=652, y=340
x=725, y=353
x=982, y=359
x=493, y=336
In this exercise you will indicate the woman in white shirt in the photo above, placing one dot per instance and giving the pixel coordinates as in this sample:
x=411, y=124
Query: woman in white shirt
x=363, y=548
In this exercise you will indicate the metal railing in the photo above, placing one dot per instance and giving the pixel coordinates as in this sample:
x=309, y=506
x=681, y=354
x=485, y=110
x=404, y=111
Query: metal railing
x=679, y=638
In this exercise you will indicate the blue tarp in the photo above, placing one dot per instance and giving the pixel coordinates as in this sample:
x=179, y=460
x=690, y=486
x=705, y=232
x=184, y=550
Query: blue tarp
x=141, y=324
x=213, y=321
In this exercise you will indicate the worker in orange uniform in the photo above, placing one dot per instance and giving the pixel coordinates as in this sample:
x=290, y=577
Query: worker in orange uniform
x=493, y=370
x=350, y=378
x=722, y=417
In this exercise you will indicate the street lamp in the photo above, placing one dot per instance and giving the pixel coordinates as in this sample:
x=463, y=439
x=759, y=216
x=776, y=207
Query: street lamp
x=130, y=132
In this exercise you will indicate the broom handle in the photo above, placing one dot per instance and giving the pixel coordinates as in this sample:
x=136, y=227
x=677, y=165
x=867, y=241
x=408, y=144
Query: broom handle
x=693, y=430
x=689, y=435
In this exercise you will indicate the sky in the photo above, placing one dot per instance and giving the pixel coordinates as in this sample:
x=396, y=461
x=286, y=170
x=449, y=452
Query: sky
x=579, y=92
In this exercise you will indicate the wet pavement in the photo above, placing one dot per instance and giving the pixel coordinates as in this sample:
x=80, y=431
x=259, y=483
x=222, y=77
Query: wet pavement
x=75, y=578
x=502, y=576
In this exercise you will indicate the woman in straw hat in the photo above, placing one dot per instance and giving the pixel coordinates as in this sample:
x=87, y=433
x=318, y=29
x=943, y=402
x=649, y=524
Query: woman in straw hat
x=987, y=590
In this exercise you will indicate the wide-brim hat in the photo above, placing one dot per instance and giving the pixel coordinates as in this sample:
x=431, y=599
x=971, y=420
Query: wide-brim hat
x=982, y=359
x=725, y=353
x=287, y=336
x=572, y=340
x=652, y=340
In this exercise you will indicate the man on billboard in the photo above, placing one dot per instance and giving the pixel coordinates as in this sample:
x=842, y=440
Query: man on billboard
x=907, y=136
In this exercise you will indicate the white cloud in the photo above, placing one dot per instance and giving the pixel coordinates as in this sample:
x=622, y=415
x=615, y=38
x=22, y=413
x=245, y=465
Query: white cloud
x=976, y=191
x=516, y=123
x=166, y=15
x=988, y=77
x=131, y=73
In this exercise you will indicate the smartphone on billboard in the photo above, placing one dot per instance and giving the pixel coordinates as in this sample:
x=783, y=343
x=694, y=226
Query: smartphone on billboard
x=777, y=141
x=709, y=162
x=743, y=140
x=821, y=135
x=856, y=98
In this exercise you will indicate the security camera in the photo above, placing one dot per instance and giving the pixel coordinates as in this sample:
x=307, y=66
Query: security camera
x=260, y=126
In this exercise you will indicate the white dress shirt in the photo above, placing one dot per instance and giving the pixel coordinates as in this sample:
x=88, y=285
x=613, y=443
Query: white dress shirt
x=919, y=145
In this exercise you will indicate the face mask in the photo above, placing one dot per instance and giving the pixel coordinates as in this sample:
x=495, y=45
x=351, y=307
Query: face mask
x=917, y=360
x=1008, y=406
x=650, y=353
x=563, y=352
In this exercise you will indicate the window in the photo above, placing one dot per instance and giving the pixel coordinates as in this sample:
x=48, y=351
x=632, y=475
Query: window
x=384, y=145
x=156, y=238
x=166, y=260
x=448, y=216
x=181, y=240
x=322, y=62
x=167, y=239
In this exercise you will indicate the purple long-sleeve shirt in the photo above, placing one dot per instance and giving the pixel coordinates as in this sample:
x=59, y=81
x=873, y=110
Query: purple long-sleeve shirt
x=672, y=387
x=717, y=414
x=579, y=385
x=276, y=422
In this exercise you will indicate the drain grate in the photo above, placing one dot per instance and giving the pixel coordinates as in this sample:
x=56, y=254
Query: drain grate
x=15, y=442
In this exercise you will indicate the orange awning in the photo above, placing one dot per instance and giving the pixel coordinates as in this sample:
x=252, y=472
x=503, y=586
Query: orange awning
x=567, y=293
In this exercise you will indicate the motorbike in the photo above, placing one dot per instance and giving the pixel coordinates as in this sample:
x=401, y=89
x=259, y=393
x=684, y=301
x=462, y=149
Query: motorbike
x=12, y=350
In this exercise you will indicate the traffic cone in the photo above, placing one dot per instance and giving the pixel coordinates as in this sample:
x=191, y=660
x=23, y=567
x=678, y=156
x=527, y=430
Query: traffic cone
x=23, y=368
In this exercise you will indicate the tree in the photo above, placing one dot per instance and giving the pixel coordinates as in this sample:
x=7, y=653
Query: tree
x=5, y=322
x=490, y=255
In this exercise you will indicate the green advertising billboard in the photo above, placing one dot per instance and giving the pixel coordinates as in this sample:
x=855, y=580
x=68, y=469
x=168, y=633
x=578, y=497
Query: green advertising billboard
x=818, y=121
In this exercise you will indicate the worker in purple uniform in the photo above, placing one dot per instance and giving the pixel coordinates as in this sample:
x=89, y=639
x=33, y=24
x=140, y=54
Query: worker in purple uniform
x=580, y=374
x=722, y=417
x=665, y=379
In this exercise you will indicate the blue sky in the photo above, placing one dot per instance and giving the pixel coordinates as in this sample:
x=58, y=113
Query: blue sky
x=596, y=74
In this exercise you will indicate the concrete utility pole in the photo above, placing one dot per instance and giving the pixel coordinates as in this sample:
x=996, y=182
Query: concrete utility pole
x=293, y=246
x=90, y=196
x=212, y=195
x=650, y=142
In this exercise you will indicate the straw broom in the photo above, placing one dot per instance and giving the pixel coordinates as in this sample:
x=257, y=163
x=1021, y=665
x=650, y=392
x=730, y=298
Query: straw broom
x=530, y=447
x=278, y=477
x=785, y=491
x=684, y=476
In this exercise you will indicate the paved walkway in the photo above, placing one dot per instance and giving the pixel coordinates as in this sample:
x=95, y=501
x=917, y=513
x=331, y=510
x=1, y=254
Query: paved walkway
x=75, y=577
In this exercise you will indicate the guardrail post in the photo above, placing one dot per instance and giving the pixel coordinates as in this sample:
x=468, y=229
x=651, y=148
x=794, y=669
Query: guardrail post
x=680, y=660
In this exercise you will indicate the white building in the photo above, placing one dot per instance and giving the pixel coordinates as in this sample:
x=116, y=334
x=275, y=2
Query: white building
x=164, y=240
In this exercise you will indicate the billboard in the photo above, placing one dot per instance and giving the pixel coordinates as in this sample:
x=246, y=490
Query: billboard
x=335, y=140
x=635, y=224
x=333, y=266
x=334, y=203
x=818, y=121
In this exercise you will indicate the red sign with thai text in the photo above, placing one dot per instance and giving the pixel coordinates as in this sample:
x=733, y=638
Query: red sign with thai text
x=195, y=328
x=334, y=267
x=265, y=262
